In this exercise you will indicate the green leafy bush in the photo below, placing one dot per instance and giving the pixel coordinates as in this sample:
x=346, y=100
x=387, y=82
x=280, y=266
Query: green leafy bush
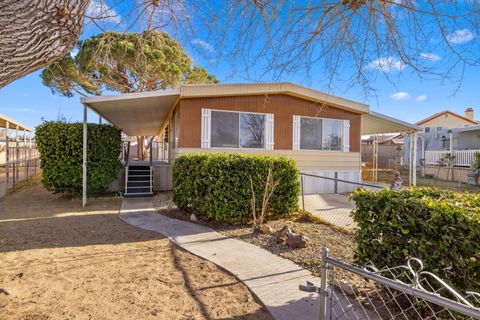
x=217, y=186
x=60, y=146
x=441, y=228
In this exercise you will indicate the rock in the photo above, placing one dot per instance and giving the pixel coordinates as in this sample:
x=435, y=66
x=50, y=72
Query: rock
x=297, y=241
x=286, y=231
x=193, y=218
x=281, y=240
x=266, y=229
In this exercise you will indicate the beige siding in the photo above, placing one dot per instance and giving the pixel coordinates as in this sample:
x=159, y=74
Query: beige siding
x=306, y=160
x=447, y=120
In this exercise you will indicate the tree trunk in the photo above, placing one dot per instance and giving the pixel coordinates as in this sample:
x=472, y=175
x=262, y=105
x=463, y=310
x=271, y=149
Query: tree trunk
x=36, y=33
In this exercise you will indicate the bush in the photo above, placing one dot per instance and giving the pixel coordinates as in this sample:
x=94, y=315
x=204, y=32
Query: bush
x=60, y=146
x=217, y=186
x=441, y=228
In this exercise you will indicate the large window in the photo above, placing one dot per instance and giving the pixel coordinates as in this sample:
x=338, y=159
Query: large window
x=237, y=130
x=320, y=134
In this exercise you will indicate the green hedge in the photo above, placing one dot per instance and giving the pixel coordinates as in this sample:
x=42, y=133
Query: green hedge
x=441, y=228
x=60, y=146
x=217, y=186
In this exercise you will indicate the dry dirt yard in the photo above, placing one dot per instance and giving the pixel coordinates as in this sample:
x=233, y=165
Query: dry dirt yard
x=59, y=261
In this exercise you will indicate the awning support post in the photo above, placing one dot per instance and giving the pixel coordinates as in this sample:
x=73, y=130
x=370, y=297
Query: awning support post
x=414, y=160
x=84, y=161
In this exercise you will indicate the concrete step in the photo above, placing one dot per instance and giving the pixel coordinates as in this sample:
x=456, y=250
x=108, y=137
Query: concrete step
x=137, y=194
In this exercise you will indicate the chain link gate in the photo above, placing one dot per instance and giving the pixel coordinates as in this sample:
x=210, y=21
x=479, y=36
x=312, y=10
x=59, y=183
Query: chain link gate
x=401, y=292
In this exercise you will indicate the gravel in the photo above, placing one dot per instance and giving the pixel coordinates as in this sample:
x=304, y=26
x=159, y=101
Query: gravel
x=340, y=244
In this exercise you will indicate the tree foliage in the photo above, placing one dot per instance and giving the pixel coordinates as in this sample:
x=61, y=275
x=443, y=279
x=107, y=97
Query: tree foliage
x=124, y=62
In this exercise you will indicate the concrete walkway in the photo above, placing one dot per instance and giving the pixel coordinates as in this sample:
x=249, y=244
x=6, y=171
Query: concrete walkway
x=274, y=280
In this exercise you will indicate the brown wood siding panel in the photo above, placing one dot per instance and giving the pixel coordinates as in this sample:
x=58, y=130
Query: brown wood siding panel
x=284, y=107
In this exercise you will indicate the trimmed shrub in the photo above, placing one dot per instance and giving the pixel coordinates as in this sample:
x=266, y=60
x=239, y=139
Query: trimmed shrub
x=60, y=146
x=441, y=228
x=217, y=186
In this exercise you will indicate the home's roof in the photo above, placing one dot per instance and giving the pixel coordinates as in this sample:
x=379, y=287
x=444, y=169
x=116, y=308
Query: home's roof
x=467, y=128
x=377, y=123
x=144, y=113
x=438, y=114
x=12, y=124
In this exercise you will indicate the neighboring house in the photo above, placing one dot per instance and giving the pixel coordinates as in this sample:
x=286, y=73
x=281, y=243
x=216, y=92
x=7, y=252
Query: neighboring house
x=447, y=133
x=447, y=119
x=390, y=150
x=321, y=132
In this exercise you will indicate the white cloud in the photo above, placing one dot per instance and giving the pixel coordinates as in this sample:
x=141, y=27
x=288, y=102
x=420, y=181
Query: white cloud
x=421, y=98
x=460, y=36
x=27, y=110
x=430, y=56
x=203, y=44
x=99, y=10
x=387, y=64
x=401, y=95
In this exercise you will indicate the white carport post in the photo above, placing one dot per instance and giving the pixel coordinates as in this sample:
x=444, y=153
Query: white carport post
x=84, y=161
x=414, y=159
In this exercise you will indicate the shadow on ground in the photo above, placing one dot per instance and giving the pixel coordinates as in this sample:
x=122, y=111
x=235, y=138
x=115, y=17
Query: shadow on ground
x=33, y=218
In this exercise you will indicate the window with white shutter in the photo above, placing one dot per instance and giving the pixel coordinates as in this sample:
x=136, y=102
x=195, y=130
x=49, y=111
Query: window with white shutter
x=206, y=127
x=269, y=132
x=296, y=133
x=346, y=136
x=312, y=133
x=231, y=129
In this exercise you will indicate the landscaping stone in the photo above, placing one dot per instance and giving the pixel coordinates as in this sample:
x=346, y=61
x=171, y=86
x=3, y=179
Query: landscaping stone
x=297, y=241
x=265, y=229
x=286, y=231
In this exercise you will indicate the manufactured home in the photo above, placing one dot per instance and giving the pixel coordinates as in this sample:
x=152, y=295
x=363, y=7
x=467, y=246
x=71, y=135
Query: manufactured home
x=321, y=132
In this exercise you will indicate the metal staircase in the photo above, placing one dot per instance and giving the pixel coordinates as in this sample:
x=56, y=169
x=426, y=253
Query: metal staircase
x=138, y=181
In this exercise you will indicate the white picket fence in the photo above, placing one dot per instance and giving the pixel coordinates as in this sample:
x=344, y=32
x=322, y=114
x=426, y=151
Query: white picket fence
x=463, y=158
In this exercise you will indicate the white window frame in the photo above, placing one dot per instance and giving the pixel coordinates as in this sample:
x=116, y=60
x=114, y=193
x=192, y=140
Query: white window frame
x=344, y=134
x=207, y=125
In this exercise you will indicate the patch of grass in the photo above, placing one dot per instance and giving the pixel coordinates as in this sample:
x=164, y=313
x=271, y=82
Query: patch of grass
x=447, y=185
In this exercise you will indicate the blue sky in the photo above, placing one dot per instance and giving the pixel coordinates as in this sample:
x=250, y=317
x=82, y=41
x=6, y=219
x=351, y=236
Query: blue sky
x=407, y=98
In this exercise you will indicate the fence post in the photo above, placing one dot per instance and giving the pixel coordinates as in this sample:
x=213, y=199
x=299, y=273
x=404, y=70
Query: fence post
x=323, y=285
x=303, y=195
x=7, y=154
x=335, y=184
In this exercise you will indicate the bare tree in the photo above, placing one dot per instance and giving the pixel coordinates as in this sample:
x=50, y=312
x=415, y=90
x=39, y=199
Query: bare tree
x=352, y=40
x=259, y=213
x=34, y=34
x=330, y=41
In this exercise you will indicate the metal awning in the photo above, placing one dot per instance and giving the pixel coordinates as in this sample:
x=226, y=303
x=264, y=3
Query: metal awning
x=12, y=124
x=136, y=114
x=466, y=129
x=377, y=123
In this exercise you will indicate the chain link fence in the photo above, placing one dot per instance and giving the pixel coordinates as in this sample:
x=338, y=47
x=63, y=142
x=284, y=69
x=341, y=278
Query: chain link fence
x=328, y=197
x=403, y=292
